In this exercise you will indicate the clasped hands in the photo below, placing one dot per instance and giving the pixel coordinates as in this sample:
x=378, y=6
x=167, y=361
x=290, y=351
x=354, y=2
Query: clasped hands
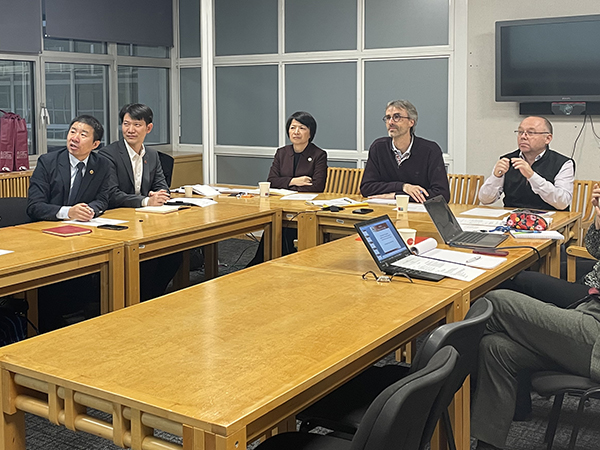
x=417, y=193
x=301, y=181
x=158, y=198
x=520, y=164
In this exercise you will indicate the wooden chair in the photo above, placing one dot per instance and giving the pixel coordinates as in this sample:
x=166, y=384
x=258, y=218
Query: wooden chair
x=343, y=180
x=464, y=189
x=582, y=192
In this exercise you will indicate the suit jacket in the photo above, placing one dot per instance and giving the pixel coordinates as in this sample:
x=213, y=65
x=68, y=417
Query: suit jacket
x=313, y=163
x=50, y=184
x=122, y=179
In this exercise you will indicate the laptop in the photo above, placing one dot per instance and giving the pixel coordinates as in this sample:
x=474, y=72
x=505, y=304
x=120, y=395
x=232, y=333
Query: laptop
x=451, y=231
x=387, y=247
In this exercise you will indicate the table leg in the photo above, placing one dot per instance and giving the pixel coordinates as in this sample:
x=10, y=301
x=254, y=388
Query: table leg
x=116, y=280
x=12, y=426
x=272, y=237
x=307, y=230
x=555, y=259
x=182, y=277
x=132, y=275
x=31, y=297
x=211, y=261
x=197, y=439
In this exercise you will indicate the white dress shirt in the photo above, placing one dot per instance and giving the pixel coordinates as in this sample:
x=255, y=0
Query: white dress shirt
x=63, y=212
x=137, y=163
x=559, y=194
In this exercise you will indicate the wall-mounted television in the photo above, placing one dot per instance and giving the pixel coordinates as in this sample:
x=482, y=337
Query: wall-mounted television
x=548, y=60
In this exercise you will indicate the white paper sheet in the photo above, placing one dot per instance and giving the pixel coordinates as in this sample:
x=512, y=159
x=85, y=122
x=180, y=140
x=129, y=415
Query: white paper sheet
x=381, y=201
x=97, y=221
x=517, y=234
x=469, y=259
x=480, y=224
x=205, y=189
x=451, y=270
x=4, y=252
x=416, y=207
x=342, y=201
x=485, y=212
x=304, y=197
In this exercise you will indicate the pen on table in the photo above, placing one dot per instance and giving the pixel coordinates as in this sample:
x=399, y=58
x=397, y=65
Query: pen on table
x=473, y=259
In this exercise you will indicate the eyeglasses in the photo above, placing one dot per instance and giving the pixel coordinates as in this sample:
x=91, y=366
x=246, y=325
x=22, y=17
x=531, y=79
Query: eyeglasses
x=395, y=117
x=529, y=132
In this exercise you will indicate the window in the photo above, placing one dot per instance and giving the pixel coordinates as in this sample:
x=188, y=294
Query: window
x=142, y=50
x=69, y=45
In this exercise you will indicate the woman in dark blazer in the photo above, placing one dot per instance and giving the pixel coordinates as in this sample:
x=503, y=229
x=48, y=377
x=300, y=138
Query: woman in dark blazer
x=300, y=166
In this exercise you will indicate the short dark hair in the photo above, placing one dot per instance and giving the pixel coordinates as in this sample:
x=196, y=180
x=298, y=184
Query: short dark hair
x=137, y=111
x=305, y=119
x=92, y=122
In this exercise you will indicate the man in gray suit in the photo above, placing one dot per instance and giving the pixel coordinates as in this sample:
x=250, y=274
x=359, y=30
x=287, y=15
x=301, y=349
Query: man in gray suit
x=138, y=180
x=139, y=176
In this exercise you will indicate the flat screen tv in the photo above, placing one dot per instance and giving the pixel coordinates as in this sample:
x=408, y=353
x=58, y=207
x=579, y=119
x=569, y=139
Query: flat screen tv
x=548, y=60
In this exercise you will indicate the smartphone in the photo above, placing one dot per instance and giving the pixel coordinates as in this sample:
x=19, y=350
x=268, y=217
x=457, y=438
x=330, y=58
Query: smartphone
x=113, y=227
x=362, y=211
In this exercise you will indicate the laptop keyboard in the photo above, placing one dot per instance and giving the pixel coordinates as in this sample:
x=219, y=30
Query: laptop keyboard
x=470, y=238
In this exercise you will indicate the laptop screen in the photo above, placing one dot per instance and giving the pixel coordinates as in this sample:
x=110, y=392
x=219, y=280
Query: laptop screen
x=382, y=239
x=443, y=218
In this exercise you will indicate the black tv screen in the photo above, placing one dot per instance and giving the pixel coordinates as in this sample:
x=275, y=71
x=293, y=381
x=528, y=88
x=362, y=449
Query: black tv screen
x=548, y=60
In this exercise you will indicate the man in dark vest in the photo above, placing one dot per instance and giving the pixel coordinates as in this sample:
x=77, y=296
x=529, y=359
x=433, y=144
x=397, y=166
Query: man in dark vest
x=532, y=176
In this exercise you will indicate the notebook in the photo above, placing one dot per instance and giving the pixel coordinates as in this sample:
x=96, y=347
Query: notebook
x=67, y=230
x=451, y=231
x=387, y=247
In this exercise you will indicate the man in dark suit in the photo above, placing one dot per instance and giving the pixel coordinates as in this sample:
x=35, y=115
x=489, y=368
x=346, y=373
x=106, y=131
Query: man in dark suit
x=137, y=180
x=72, y=183
x=139, y=176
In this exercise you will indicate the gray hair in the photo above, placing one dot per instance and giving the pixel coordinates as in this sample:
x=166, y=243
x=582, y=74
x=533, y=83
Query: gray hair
x=410, y=109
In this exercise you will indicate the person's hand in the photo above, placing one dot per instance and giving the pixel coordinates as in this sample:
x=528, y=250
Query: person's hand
x=301, y=181
x=417, y=193
x=596, y=203
x=158, y=198
x=501, y=167
x=81, y=212
x=522, y=166
x=390, y=195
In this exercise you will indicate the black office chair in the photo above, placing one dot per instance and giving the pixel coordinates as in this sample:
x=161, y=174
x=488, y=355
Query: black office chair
x=167, y=162
x=393, y=421
x=344, y=408
x=559, y=384
x=13, y=211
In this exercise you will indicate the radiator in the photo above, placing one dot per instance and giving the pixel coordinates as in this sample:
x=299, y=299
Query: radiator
x=14, y=184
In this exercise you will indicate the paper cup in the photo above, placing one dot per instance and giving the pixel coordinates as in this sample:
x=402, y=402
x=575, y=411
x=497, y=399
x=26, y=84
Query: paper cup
x=409, y=235
x=189, y=191
x=402, y=202
x=264, y=187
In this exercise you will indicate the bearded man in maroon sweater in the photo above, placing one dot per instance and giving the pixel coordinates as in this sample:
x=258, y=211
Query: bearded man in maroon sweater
x=404, y=163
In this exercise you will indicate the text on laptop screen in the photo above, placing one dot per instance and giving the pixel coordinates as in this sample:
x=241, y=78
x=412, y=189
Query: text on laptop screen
x=383, y=238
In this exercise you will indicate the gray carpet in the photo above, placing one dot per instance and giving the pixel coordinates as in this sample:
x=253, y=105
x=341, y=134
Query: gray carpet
x=234, y=254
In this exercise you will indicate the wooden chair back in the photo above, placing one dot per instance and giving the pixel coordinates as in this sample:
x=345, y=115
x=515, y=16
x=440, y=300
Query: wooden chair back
x=582, y=200
x=343, y=180
x=464, y=189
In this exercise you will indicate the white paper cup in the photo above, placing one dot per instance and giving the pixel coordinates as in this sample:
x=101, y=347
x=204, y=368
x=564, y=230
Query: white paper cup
x=189, y=191
x=409, y=235
x=264, y=187
x=402, y=202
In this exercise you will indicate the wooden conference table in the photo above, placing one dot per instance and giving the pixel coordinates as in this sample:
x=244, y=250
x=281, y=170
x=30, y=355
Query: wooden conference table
x=151, y=235
x=39, y=259
x=221, y=363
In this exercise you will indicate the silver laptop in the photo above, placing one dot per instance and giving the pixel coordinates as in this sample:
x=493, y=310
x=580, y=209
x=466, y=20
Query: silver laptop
x=451, y=231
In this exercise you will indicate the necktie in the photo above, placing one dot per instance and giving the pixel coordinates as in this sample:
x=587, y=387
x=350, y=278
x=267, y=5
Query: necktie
x=77, y=183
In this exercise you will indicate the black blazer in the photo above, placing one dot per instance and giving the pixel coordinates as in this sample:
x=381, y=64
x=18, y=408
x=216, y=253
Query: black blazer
x=313, y=163
x=50, y=184
x=122, y=180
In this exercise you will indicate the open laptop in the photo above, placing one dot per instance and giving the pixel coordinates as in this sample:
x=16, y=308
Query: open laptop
x=387, y=246
x=451, y=231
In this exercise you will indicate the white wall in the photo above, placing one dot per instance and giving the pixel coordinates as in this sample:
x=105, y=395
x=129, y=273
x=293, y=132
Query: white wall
x=490, y=124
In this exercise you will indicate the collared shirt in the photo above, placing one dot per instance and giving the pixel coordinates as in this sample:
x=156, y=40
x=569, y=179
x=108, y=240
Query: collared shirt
x=63, y=212
x=401, y=157
x=559, y=194
x=137, y=164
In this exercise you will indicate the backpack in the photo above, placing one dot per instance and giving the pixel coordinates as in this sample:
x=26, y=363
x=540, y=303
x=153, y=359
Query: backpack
x=14, y=151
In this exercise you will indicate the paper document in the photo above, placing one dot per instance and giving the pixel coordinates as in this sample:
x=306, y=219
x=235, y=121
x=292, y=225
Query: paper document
x=523, y=234
x=485, y=212
x=342, y=201
x=164, y=209
x=304, y=197
x=381, y=201
x=451, y=270
x=468, y=224
x=4, y=252
x=205, y=189
x=97, y=221
x=416, y=207
x=272, y=191
x=202, y=202
x=428, y=249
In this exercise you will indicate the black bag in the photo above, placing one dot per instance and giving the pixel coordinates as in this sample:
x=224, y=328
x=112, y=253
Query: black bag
x=13, y=320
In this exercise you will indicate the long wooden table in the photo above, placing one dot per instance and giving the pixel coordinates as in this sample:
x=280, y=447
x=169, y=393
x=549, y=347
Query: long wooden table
x=39, y=259
x=151, y=235
x=221, y=363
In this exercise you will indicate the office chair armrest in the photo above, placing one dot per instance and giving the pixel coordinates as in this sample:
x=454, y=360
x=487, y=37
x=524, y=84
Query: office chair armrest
x=579, y=252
